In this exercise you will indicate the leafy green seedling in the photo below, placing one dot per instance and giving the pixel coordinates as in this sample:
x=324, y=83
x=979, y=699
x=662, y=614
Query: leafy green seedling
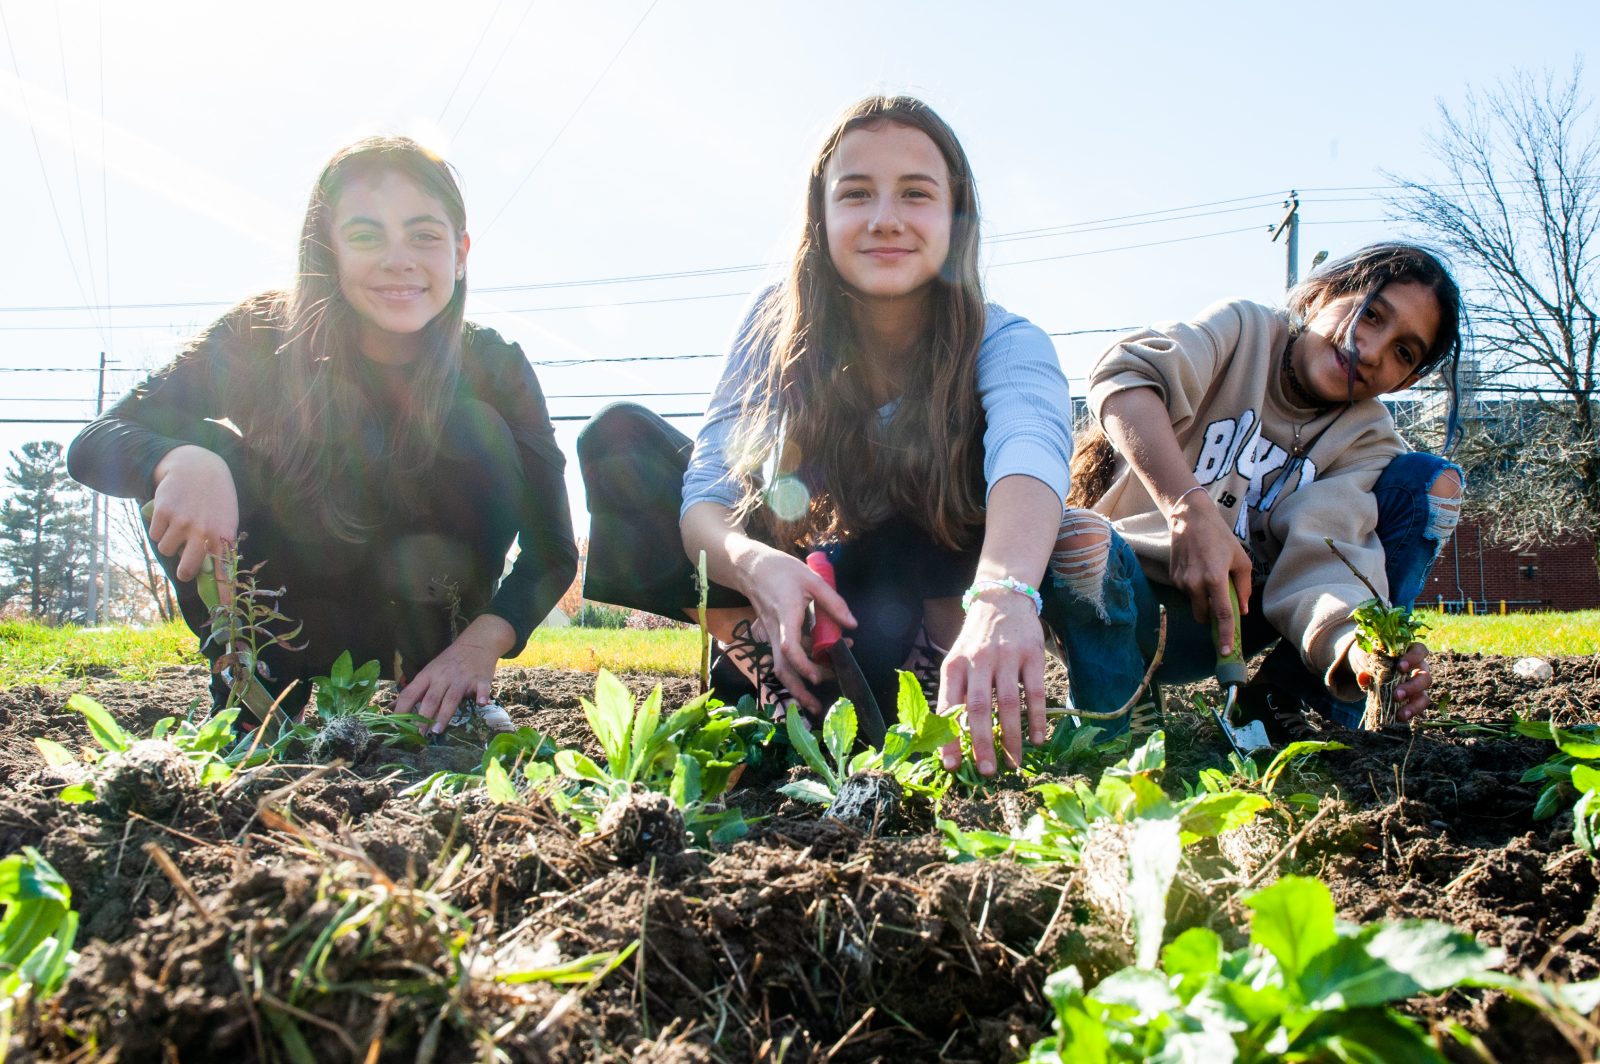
x=1386, y=630
x=37, y=929
x=201, y=745
x=1573, y=770
x=907, y=747
x=1307, y=987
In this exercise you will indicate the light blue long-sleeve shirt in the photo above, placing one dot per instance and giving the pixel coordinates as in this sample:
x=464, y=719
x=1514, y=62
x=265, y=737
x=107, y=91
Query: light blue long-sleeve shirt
x=1026, y=403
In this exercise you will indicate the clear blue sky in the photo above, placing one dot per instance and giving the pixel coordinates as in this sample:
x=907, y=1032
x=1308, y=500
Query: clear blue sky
x=162, y=154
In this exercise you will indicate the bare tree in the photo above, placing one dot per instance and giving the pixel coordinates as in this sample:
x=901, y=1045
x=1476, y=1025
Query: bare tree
x=148, y=576
x=1518, y=209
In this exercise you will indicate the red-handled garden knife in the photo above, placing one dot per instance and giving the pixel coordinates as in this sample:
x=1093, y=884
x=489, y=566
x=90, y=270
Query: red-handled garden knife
x=827, y=643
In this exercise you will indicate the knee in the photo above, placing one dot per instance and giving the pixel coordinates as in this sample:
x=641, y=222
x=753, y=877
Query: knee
x=1082, y=551
x=1444, y=503
x=612, y=427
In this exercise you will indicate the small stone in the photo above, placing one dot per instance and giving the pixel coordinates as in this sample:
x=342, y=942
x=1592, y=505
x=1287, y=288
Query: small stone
x=1532, y=669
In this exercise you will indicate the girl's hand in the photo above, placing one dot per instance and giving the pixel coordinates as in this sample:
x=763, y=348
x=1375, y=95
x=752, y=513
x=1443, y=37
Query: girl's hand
x=196, y=509
x=1000, y=648
x=1411, y=696
x=1205, y=556
x=463, y=669
x=780, y=587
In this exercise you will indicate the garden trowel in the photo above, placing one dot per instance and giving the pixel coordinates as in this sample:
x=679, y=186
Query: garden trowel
x=254, y=699
x=827, y=644
x=1245, y=737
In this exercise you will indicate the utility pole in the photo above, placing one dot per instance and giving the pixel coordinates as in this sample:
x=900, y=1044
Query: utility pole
x=94, y=511
x=1291, y=222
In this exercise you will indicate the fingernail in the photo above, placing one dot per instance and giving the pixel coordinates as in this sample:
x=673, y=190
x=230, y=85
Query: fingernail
x=986, y=767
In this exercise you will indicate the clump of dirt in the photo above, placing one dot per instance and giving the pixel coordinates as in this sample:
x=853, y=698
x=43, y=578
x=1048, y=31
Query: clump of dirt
x=641, y=824
x=151, y=777
x=344, y=739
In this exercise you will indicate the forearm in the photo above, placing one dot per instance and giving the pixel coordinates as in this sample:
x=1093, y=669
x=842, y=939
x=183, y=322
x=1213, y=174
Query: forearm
x=1138, y=425
x=1023, y=517
x=731, y=553
x=489, y=633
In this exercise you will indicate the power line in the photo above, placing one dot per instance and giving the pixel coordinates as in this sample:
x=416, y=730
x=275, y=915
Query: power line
x=557, y=138
x=448, y=100
x=44, y=171
x=512, y=36
x=1128, y=247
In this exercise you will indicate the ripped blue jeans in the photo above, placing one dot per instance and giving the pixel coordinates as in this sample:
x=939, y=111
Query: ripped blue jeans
x=1110, y=638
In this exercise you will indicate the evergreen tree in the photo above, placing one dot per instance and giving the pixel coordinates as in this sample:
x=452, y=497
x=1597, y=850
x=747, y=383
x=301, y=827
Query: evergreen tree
x=44, y=535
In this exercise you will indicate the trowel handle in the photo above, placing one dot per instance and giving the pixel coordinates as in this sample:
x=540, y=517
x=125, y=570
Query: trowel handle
x=206, y=582
x=824, y=629
x=1230, y=669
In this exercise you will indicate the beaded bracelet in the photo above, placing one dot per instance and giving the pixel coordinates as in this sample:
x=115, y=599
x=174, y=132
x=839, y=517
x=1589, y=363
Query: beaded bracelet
x=1005, y=583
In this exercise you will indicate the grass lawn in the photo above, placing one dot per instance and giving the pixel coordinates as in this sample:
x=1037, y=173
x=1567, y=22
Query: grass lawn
x=32, y=653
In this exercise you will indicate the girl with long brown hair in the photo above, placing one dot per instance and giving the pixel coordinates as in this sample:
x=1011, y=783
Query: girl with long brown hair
x=874, y=405
x=377, y=453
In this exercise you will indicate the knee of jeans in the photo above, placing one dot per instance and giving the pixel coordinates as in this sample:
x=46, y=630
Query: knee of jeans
x=1444, y=504
x=1081, y=555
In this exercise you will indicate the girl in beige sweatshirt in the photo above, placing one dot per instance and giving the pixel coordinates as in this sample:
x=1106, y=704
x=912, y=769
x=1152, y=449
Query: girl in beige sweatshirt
x=1238, y=443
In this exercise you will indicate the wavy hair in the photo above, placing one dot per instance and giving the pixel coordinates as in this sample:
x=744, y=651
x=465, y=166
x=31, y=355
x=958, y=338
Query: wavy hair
x=309, y=417
x=809, y=421
x=1364, y=273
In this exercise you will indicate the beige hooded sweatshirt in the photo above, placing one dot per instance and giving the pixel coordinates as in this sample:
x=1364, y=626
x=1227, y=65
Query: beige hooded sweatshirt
x=1285, y=475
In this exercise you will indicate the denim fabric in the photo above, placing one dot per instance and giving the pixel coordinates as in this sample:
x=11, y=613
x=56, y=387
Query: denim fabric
x=1107, y=653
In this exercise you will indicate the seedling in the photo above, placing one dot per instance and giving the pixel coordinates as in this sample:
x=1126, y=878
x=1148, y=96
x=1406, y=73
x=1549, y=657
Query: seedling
x=920, y=731
x=1386, y=633
x=346, y=694
x=147, y=775
x=1307, y=987
x=1574, y=768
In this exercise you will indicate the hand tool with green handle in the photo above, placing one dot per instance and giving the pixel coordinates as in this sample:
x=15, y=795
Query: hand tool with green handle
x=254, y=698
x=1249, y=737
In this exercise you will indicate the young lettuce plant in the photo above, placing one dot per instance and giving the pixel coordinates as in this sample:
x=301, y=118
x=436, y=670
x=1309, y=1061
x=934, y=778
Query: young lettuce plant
x=144, y=774
x=525, y=751
x=1306, y=988
x=643, y=752
x=344, y=706
x=1128, y=792
x=905, y=756
x=1573, y=769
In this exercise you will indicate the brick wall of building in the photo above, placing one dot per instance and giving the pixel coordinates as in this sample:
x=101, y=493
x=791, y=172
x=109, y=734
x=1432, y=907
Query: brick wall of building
x=1558, y=576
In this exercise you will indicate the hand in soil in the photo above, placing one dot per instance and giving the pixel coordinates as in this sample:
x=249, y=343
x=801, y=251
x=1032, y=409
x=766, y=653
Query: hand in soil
x=1411, y=697
x=465, y=669
x=996, y=666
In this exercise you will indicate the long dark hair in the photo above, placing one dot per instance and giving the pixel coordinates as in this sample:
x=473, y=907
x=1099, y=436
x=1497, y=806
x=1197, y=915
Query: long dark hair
x=820, y=422
x=309, y=417
x=1364, y=273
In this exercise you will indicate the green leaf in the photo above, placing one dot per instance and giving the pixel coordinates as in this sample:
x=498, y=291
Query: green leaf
x=106, y=731
x=497, y=782
x=77, y=794
x=805, y=744
x=1213, y=814
x=1581, y=744
x=1434, y=954
x=1548, y=804
x=911, y=704
x=610, y=717
x=1195, y=954
x=1586, y=778
x=808, y=791
x=162, y=726
x=839, y=732
x=1293, y=921
x=1145, y=991
x=54, y=753
x=1364, y=1036
x=576, y=766
x=1152, y=756
x=1586, y=822
x=645, y=724
x=685, y=788
x=214, y=773
x=1080, y=1034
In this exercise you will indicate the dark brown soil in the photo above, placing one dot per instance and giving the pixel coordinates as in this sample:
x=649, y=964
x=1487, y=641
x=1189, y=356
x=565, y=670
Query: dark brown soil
x=809, y=940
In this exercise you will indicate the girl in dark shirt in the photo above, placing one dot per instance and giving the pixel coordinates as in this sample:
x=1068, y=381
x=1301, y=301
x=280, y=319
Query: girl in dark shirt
x=378, y=453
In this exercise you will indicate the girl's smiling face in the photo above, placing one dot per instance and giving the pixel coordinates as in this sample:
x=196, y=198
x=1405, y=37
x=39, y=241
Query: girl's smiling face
x=1393, y=337
x=399, y=259
x=887, y=210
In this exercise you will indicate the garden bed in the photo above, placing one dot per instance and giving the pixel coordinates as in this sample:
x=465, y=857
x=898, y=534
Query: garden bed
x=806, y=940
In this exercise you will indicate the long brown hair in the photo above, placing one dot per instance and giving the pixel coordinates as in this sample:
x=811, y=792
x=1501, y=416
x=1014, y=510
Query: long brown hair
x=309, y=416
x=819, y=422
